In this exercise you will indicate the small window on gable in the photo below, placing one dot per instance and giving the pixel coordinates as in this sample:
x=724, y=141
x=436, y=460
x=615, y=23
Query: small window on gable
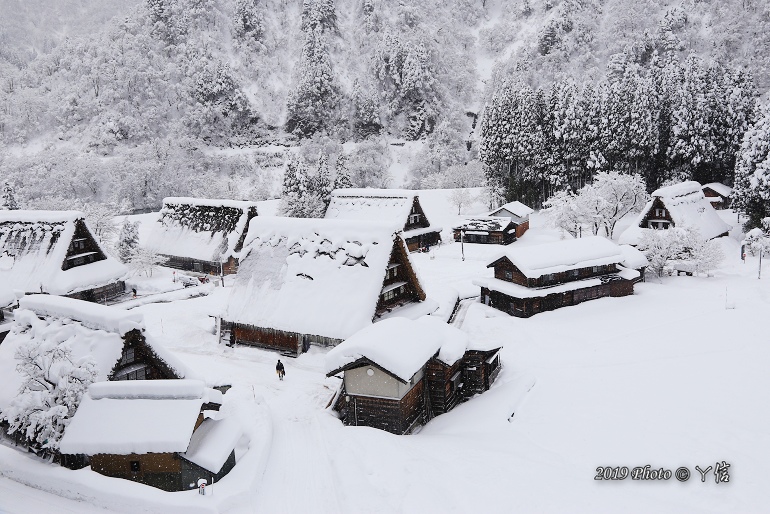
x=660, y=213
x=508, y=275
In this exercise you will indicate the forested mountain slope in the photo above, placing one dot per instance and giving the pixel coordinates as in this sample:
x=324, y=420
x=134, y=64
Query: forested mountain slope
x=192, y=96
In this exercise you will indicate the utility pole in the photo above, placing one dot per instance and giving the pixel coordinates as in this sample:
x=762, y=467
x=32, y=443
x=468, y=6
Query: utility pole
x=462, y=242
x=759, y=271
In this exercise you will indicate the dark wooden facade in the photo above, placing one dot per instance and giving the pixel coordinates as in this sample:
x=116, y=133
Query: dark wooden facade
x=139, y=362
x=542, y=299
x=441, y=388
x=418, y=220
x=657, y=216
x=273, y=339
x=227, y=267
x=399, y=270
x=395, y=416
x=480, y=369
x=100, y=294
x=723, y=203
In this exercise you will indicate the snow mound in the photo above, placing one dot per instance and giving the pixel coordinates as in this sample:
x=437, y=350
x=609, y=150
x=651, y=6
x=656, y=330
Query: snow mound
x=212, y=443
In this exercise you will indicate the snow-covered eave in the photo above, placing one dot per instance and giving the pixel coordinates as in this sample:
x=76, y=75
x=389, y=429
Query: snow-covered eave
x=361, y=361
x=22, y=216
x=420, y=231
x=243, y=205
x=91, y=315
x=539, y=272
x=519, y=291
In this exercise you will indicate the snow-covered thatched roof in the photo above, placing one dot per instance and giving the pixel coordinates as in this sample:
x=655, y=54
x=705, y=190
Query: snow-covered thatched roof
x=89, y=330
x=719, y=189
x=34, y=246
x=145, y=416
x=516, y=208
x=312, y=276
x=688, y=208
x=376, y=205
x=485, y=224
x=537, y=260
x=400, y=346
x=206, y=230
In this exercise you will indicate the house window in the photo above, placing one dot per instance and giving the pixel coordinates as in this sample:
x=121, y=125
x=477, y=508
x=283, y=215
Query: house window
x=660, y=213
x=393, y=293
x=509, y=275
x=596, y=269
x=139, y=373
x=574, y=273
x=135, y=466
x=413, y=218
x=548, y=278
x=456, y=382
x=128, y=356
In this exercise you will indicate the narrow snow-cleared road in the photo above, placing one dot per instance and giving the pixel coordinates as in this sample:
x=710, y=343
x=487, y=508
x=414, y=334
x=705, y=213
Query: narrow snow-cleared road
x=16, y=498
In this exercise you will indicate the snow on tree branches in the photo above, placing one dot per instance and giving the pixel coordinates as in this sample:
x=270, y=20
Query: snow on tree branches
x=680, y=246
x=128, y=241
x=599, y=205
x=8, y=198
x=52, y=389
x=752, y=172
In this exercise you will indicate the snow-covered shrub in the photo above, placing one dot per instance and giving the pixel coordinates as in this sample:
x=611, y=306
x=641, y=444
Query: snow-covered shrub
x=128, y=241
x=681, y=245
x=145, y=261
x=52, y=389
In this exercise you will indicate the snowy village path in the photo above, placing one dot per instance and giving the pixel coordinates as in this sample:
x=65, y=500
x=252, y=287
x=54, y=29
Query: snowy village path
x=298, y=454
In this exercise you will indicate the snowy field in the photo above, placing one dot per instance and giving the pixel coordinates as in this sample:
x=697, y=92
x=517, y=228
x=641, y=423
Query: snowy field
x=672, y=376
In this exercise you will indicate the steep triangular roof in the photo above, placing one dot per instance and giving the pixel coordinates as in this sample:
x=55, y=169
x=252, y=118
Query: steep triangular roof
x=687, y=207
x=201, y=229
x=312, y=276
x=378, y=205
x=37, y=253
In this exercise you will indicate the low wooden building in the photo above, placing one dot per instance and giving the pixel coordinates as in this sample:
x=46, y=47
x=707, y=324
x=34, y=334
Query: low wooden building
x=635, y=260
x=680, y=205
x=7, y=300
x=518, y=213
x=545, y=277
x=719, y=195
x=399, y=374
x=318, y=281
x=202, y=235
x=486, y=230
x=159, y=433
x=54, y=252
x=400, y=206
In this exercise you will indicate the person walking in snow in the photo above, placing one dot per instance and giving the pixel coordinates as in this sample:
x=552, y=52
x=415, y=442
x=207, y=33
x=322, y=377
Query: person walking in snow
x=280, y=369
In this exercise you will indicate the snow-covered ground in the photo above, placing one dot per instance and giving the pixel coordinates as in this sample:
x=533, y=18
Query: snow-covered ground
x=668, y=377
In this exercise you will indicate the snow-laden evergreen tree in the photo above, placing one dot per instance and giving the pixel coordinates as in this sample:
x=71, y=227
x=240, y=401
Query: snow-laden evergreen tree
x=314, y=101
x=52, y=388
x=299, y=197
x=752, y=172
x=322, y=182
x=8, y=198
x=366, y=116
x=128, y=241
x=248, y=20
x=342, y=173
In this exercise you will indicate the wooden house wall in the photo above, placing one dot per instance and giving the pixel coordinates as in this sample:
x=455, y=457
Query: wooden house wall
x=268, y=338
x=710, y=193
x=438, y=377
x=100, y=294
x=517, y=277
x=657, y=203
x=478, y=374
x=520, y=229
x=394, y=416
x=161, y=470
x=491, y=237
x=424, y=240
x=155, y=367
x=82, y=242
x=526, y=307
x=413, y=289
x=417, y=209
x=273, y=339
x=199, y=266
